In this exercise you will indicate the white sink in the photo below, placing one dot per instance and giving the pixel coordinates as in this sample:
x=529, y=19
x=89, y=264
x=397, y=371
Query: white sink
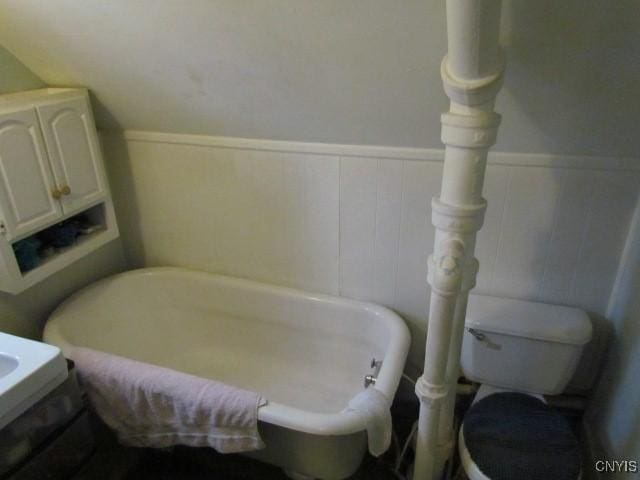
x=28, y=371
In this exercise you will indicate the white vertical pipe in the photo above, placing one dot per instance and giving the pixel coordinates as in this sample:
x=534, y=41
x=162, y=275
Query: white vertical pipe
x=472, y=75
x=473, y=28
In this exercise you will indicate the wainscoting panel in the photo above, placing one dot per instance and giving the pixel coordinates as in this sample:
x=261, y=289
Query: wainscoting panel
x=355, y=221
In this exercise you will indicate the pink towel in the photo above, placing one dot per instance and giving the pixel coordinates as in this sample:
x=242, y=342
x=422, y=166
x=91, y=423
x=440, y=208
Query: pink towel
x=150, y=406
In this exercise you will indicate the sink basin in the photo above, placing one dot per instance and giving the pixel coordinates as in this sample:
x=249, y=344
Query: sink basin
x=28, y=371
x=7, y=364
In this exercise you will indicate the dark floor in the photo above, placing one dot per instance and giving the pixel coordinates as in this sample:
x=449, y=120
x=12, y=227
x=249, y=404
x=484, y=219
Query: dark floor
x=196, y=464
x=113, y=461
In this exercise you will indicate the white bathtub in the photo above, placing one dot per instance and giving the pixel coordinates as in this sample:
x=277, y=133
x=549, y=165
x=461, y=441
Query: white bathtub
x=306, y=353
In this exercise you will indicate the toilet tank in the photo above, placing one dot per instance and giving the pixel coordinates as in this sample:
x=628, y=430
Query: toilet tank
x=520, y=345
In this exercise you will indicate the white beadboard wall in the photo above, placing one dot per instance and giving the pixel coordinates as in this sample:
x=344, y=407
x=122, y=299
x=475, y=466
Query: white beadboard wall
x=355, y=220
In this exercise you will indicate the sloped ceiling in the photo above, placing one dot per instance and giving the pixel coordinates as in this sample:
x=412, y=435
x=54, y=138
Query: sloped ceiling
x=14, y=76
x=343, y=71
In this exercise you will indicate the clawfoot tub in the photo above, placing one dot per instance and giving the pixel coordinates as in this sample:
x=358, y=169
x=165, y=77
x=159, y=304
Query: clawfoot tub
x=307, y=354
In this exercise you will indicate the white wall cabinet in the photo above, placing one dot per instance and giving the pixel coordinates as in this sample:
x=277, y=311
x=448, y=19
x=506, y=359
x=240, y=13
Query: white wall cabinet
x=74, y=152
x=51, y=169
x=26, y=177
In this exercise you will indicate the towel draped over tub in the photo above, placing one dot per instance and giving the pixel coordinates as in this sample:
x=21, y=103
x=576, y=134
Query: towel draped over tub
x=151, y=406
x=373, y=407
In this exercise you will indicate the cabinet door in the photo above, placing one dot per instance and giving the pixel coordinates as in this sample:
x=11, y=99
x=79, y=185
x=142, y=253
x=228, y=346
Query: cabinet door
x=72, y=143
x=26, y=182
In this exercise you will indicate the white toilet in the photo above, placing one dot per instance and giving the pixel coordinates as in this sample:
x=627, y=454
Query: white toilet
x=518, y=351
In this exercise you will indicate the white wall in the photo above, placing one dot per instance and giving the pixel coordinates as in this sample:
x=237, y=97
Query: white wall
x=24, y=314
x=337, y=71
x=355, y=221
x=613, y=417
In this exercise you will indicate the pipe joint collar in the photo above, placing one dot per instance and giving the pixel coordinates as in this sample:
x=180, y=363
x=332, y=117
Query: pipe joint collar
x=446, y=267
x=464, y=219
x=470, y=131
x=471, y=92
x=430, y=394
x=470, y=275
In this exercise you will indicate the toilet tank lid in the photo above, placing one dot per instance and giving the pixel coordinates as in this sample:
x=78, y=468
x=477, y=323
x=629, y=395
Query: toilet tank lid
x=521, y=318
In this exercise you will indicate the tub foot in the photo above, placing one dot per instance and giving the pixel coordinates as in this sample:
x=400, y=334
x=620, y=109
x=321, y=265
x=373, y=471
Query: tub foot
x=297, y=476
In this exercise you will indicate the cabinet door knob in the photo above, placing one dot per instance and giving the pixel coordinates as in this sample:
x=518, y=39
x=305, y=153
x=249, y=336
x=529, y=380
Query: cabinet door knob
x=55, y=193
x=66, y=190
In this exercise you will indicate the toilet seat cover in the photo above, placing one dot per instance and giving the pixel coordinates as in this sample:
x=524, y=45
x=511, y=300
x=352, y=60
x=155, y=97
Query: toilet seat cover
x=516, y=436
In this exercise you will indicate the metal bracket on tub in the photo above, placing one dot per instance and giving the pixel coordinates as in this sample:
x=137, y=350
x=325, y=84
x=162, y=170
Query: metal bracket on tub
x=372, y=378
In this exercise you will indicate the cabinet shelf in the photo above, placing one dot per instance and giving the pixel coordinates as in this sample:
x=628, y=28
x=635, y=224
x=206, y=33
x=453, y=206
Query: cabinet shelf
x=65, y=257
x=15, y=280
x=60, y=252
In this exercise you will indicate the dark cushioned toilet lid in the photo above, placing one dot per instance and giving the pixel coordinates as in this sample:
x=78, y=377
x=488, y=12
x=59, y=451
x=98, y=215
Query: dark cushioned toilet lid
x=513, y=436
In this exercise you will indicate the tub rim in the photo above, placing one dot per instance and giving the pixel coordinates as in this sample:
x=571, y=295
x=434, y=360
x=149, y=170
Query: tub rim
x=341, y=423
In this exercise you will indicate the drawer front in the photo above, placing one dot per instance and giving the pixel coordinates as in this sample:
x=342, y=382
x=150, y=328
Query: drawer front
x=63, y=456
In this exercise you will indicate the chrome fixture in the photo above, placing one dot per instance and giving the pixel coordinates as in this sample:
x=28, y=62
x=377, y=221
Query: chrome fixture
x=372, y=378
x=478, y=335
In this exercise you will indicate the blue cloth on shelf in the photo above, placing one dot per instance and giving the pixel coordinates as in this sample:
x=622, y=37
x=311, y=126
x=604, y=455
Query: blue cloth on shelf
x=60, y=235
x=26, y=252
